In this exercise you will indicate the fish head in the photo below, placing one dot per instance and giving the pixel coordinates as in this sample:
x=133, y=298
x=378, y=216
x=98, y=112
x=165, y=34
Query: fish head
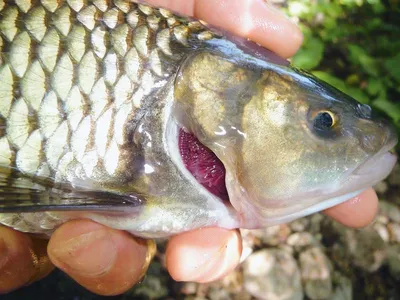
x=291, y=144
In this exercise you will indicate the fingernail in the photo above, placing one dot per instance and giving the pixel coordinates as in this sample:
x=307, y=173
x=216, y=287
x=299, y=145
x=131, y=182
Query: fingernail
x=91, y=254
x=3, y=253
x=220, y=263
x=41, y=262
x=203, y=255
x=151, y=251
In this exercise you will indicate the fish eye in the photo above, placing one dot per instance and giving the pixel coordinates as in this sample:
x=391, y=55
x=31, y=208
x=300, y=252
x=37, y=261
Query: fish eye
x=324, y=120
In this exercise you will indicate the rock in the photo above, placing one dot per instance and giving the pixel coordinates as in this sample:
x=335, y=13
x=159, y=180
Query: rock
x=243, y=295
x=390, y=210
x=363, y=248
x=272, y=274
x=189, y=288
x=394, y=261
x=394, y=177
x=275, y=235
x=287, y=248
x=300, y=240
x=366, y=248
x=233, y=282
x=154, y=285
x=381, y=187
x=316, y=273
x=315, y=223
x=343, y=288
x=382, y=231
x=382, y=219
x=218, y=294
x=394, y=232
x=299, y=225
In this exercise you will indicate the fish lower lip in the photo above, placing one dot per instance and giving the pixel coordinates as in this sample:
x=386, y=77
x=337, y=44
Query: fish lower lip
x=379, y=162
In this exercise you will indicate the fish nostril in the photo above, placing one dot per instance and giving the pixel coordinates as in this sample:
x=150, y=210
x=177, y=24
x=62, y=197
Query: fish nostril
x=365, y=111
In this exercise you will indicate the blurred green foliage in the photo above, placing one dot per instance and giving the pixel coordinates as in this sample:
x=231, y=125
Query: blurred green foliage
x=355, y=46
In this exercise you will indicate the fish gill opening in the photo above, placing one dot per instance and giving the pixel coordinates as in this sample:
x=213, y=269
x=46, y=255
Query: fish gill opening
x=203, y=164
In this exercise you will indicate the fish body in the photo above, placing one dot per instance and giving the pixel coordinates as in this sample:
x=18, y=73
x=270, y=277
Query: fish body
x=100, y=103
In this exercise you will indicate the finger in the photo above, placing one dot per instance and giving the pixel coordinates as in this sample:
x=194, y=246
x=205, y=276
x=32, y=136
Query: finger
x=357, y=212
x=203, y=255
x=253, y=19
x=103, y=260
x=22, y=259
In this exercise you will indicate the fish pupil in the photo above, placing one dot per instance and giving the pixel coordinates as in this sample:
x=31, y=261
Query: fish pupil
x=323, y=121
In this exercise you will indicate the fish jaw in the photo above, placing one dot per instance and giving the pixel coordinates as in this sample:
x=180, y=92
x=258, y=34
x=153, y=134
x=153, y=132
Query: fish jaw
x=374, y=170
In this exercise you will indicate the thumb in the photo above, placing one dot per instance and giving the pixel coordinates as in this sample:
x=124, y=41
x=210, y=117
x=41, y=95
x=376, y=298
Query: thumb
x=103, y=260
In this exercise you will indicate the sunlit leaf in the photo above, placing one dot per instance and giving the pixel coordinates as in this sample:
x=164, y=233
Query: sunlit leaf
x=390, y=108
x=375, y=86
x=310, y=55
x=359, y=56
x=356, y=93
x=332, y=80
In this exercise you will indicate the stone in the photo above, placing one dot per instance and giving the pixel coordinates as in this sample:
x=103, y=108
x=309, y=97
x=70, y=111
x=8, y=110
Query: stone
x=189, y=288
x=275, y=235
x=233, y=282
x=394, y=177
x=315, y=222
x=300, y=240
x=382, y=231
x=392, y=211
x=299, y=225
x=363, y=248
x=218, y=294
x=242, y=295
x=381, y=187
x=316, y=273
x=366, y=248
x=154, y=284
x=394, y=261
x=343, y=288
x=382, y=219
x=272, y=274
x=394, y=232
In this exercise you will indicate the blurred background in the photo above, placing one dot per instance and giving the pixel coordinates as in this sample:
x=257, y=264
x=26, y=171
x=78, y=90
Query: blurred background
x=355, y=46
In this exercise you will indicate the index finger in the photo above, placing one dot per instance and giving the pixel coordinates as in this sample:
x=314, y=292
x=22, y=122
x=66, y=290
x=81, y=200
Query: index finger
x=253, y=19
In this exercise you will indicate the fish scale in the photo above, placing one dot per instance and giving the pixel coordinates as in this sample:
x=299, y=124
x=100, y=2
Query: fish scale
x=59, y=79
x=73, y=75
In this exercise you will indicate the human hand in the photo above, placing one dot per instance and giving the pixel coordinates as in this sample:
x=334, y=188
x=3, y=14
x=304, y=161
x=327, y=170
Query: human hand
x=108, y=261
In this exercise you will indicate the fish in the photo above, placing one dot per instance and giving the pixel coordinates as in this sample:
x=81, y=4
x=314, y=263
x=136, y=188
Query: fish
x=156, y=124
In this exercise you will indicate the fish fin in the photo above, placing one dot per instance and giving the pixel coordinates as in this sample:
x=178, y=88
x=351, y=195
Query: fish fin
x=27, y=194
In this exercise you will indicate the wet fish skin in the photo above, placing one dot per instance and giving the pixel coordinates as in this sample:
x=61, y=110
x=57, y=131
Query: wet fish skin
x=75, y=79
x=95, y=93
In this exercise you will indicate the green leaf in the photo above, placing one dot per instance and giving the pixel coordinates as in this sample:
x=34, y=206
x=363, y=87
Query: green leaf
x=310, y=55
x=390, y=108
x=392, y=65
x=359, y=56
x=356, y=93
x=375, y=86
x=332, y=80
